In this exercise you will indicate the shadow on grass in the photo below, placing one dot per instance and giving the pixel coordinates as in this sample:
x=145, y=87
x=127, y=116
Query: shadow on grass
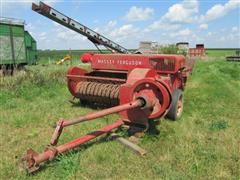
x=153, y=127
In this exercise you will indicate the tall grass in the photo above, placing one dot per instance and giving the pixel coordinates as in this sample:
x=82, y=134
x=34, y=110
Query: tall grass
x=36, y=76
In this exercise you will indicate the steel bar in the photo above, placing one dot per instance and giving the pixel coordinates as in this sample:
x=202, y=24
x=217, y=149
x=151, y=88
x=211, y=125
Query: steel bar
x=94, y=115
x=134, y=147
x=57, y=132
x=32, y=160
x=91, y=116
x=95, y=78
x=66, y=21
x=89, y=136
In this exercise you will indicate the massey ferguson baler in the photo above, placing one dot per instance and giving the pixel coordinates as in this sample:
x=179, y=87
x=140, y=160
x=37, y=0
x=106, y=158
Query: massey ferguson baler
x=112, y=73
x=140, y=87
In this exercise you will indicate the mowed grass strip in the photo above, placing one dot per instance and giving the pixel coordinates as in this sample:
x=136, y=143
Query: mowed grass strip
x=203, y=144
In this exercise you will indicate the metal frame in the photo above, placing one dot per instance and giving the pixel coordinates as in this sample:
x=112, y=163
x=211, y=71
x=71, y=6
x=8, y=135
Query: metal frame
x=94, y=37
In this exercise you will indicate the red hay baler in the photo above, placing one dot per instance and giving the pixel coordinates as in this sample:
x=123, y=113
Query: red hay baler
x=140, y=87
x=117, y=78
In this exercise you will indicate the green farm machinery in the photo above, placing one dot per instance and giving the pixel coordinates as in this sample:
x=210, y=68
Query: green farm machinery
x=18, y=48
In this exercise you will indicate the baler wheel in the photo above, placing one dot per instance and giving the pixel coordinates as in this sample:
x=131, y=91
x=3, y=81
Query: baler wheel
x=176, y=107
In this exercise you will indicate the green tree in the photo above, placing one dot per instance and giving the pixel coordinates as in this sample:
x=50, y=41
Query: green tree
x=169, y=49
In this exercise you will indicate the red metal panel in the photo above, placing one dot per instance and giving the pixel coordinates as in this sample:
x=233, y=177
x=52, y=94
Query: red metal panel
x=144, y=83
x=160, y=62
x=119, y=62
x=196, y=52
x=73, y=83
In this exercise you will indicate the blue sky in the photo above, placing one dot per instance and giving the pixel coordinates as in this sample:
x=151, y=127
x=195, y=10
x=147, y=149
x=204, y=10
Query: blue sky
x=214, y=23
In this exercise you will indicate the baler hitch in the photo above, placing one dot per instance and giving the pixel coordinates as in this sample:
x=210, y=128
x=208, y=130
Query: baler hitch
x=91, y=116
x=32, y=161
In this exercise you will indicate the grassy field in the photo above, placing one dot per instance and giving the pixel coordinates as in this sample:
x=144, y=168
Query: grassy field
x=220, y=53
x=51, y=56
x=47, y=57
x=203, y=144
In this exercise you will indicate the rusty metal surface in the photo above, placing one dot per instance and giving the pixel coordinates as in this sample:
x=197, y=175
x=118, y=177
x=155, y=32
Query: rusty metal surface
x=57, y=132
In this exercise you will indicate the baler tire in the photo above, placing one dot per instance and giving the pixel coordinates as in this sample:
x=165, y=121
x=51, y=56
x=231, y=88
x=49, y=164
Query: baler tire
x=176, y=107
